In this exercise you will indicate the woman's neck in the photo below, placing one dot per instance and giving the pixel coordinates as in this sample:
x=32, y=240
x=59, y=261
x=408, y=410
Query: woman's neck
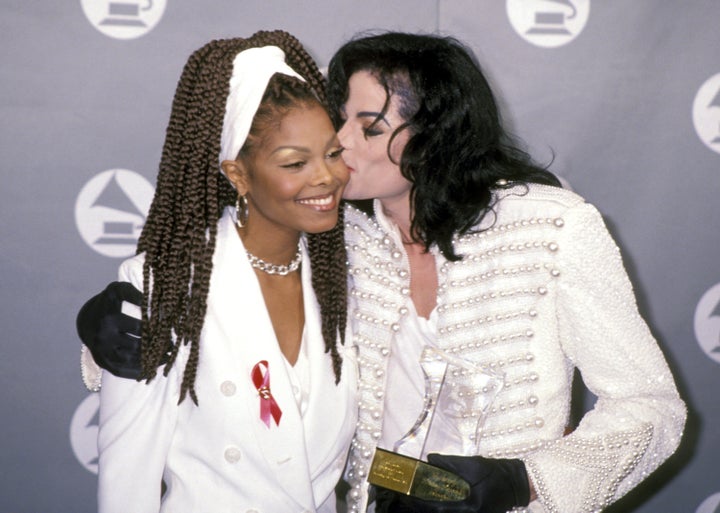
x=274, y=246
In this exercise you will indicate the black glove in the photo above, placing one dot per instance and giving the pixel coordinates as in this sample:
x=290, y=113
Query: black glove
x=496, y=486
x=112, y=337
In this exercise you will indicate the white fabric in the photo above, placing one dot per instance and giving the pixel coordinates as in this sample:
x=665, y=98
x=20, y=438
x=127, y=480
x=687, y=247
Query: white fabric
x=219, y=456
x=299, y=376
x=541, y=292
x=252, y=70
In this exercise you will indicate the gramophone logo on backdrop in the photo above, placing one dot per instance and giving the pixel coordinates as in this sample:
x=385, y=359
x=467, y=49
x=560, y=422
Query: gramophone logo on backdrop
x=706, y=113
x=710, y=505
x=548, y=23
x=110, y=211
x=125, y=19
x=707, y=322
x=84, y=431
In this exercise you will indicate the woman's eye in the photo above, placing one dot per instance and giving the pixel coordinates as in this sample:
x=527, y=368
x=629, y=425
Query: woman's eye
x=294, y=165
x=335, y=154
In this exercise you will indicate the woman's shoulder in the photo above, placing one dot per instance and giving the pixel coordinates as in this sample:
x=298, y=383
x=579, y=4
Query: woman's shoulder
x=131, y=270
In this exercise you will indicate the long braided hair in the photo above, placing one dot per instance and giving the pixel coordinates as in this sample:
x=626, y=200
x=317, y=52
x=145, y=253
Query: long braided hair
x=180, y=232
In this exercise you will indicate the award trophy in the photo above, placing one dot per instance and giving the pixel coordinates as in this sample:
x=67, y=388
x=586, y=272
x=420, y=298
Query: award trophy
x=457, y=395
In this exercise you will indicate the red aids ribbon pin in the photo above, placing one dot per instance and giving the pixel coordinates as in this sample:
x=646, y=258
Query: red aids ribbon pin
x=268, y=406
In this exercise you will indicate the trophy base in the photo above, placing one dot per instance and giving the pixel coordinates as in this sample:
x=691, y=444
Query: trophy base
x=414, y=477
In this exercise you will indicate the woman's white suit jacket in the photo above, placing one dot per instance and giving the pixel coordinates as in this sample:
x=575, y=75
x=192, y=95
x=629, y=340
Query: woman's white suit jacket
x=220, y=456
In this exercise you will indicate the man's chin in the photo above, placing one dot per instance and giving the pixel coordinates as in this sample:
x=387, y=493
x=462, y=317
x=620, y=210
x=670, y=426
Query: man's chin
x=352, y=195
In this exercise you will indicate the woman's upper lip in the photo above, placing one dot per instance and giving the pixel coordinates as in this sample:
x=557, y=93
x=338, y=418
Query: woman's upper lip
x=318, y=196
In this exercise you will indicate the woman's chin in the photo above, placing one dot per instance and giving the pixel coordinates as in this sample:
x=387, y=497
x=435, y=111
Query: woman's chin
x=324, y=226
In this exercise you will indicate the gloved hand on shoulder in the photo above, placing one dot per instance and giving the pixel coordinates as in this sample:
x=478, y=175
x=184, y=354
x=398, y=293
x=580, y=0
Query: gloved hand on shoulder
x=112, y=337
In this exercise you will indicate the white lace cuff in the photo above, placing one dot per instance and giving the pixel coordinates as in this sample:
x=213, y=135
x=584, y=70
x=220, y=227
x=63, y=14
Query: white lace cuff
x=90, y=371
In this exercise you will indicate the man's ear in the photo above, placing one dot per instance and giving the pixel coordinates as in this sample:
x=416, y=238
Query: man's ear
x=237, y=173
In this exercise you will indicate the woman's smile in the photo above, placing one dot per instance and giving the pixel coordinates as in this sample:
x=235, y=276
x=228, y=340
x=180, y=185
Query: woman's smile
x=321, y=203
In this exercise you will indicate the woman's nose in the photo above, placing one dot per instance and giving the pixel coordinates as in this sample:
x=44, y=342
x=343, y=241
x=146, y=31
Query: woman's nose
x=322, y=174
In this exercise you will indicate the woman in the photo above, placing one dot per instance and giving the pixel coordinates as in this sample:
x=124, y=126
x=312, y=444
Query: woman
x=249, y=411
x=474, y=250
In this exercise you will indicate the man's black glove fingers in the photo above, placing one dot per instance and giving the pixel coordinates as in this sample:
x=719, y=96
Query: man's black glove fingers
x=119, y=291
x=112, y=337
x=126, y=326
x=87, y=320
x=388, y=501
x=107, y=302
x=517, y=474
x=497, y=485
x=467, y=467
x=118, y=345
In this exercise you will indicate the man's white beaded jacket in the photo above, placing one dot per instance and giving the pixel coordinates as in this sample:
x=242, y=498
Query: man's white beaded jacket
x=540, y=290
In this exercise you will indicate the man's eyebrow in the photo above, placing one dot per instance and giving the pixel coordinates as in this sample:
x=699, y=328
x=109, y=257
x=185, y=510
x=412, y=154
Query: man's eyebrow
x=374, y=115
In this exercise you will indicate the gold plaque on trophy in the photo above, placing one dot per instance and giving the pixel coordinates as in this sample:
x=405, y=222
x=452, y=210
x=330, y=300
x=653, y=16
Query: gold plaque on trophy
x=414, y=477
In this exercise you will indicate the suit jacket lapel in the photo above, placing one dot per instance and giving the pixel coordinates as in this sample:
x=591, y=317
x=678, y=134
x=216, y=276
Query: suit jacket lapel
x=239, y=306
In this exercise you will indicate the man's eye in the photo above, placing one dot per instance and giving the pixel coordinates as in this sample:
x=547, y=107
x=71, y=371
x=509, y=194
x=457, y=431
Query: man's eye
x=371, y=132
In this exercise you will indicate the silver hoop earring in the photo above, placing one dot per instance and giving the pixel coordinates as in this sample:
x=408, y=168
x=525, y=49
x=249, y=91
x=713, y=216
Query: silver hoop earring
x=242, y=213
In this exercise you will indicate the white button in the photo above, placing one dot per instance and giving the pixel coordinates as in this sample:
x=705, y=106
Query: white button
x=232, y=454
x=228, y=388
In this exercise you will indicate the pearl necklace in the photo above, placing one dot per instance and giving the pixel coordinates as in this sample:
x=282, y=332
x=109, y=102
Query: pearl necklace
x=281, y=270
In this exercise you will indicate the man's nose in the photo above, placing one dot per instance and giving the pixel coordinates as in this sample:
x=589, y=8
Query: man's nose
x=344, y=136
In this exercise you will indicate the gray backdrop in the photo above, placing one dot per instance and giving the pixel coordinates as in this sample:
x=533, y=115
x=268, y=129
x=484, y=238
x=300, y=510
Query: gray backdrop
x=623, y=95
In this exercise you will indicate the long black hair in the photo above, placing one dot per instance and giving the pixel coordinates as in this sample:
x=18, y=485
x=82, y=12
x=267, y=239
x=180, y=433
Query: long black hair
x=458, y=150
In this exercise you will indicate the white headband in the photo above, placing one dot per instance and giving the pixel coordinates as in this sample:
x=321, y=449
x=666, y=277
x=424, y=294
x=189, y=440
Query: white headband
x=252, y=70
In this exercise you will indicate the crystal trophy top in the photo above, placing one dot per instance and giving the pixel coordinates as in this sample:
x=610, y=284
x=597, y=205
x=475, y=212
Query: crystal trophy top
x=458, y=394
